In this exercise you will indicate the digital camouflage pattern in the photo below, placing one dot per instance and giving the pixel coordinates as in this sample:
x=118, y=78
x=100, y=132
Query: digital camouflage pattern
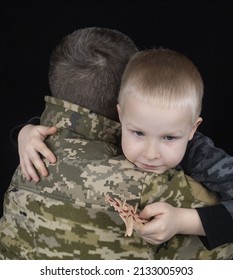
x=64, y=216
x=189, y=194
x=212, y=166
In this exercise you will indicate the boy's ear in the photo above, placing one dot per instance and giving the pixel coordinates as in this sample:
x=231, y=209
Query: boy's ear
x=119, y=111
x=195, y=126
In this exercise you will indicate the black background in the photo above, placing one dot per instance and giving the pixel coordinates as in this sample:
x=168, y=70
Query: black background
x=31, y=29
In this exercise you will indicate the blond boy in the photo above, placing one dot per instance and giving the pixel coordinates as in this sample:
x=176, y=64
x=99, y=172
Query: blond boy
x=159, y=108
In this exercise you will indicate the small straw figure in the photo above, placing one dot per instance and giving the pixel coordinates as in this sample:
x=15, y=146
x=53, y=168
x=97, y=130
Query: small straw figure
x=127, y=212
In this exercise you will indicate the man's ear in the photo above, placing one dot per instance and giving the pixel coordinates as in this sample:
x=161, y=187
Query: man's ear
x=119, y=111
x=195, y=126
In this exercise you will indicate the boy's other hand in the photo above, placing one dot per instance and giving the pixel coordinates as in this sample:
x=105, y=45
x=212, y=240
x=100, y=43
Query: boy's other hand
x=31, y=146
x=166, y=221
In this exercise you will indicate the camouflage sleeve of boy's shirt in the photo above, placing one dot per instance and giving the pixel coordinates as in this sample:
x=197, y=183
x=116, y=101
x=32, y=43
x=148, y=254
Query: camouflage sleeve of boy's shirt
x=211, y=166
x=214, y=168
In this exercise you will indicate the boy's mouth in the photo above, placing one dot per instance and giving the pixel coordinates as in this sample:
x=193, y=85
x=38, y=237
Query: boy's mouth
x=149, y=166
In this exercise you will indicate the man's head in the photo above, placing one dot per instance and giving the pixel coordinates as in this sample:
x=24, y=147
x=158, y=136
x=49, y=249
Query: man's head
x=159, y=106
x=87, y=66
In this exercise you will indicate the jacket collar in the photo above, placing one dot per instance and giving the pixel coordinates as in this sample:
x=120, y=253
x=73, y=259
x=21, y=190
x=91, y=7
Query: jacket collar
x=73, y=120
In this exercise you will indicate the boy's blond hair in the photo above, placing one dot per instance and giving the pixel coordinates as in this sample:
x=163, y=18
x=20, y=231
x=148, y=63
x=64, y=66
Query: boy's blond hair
x=164, y=78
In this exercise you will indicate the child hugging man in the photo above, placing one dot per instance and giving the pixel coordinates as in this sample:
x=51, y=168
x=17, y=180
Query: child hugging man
x=64, y=215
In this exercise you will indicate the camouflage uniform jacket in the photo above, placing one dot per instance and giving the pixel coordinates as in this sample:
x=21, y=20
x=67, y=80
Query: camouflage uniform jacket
x=64, y=216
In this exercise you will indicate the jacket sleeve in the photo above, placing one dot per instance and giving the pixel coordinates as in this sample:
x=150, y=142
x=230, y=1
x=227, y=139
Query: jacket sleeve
x=219, y=230
x=213, y=167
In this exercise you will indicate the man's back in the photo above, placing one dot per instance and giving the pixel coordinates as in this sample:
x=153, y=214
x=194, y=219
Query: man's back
x=64, y=216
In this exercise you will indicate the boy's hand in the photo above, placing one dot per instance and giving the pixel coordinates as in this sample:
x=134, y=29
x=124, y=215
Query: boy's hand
x=166, y=221
x=30, y=146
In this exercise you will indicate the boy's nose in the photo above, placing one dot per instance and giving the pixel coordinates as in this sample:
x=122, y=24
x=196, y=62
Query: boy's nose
x=151, y=151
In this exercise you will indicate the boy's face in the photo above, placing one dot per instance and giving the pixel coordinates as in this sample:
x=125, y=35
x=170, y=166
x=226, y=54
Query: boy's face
x=155, y=139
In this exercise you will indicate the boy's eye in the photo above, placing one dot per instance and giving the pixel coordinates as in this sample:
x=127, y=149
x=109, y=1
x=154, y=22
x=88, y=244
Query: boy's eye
x=138, y=133
x=169, y=138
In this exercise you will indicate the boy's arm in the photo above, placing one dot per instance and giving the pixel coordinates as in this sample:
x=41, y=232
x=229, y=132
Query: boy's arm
x=165, y=221
x=30, y=146
x=214, y=168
